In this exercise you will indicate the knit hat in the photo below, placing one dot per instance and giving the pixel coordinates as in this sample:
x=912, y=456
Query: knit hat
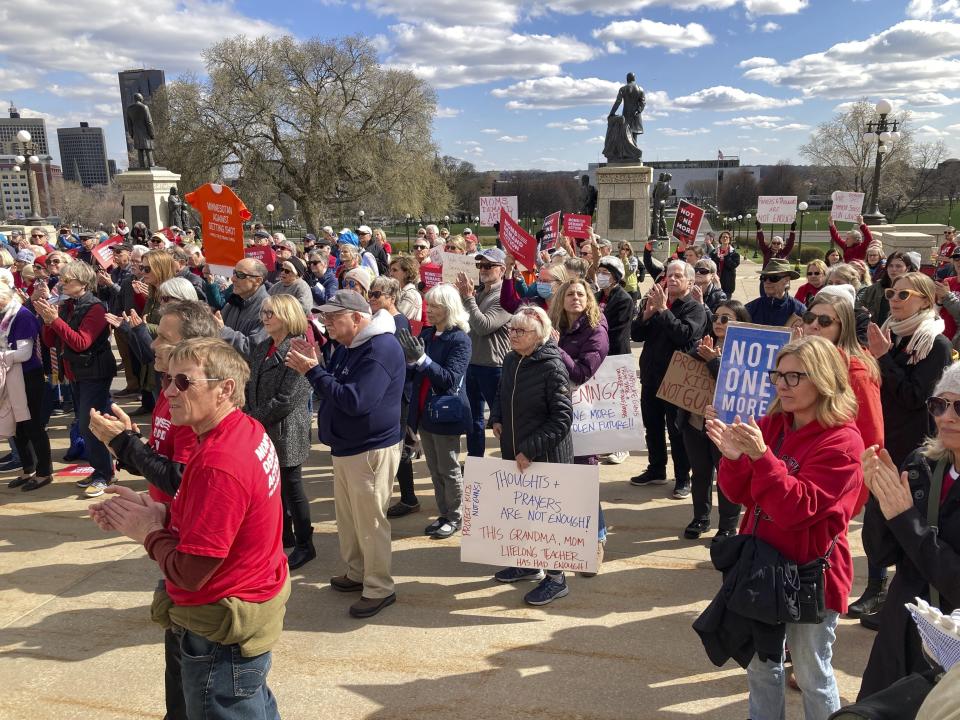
x=915, y=259
x=845, y=292
x=348, y=237
x=949, y=381
x=297, y=265
x=614, y=265
x=361, y=276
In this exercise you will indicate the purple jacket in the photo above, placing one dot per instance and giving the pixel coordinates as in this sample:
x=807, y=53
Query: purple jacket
x=26, y=326
x=583, y=348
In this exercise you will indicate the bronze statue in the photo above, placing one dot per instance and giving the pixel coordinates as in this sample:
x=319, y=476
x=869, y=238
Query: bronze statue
x=634, y=101
x=176, y=211
x=588, y=195
x=141, y=129
x=620, y=144
x=661, y=193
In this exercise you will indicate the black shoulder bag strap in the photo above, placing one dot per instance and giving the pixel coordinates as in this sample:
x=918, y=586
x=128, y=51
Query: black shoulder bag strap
x=933, y=512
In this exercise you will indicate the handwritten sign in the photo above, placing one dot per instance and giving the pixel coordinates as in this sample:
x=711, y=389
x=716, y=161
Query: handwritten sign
x=687, y=222
x=606, y=409
x=103, y=253
x=517, y=241
x=431, y=275
x=551, y=230
x=222, y=214
x=776, y=209
x=743, y=387
x=544, y=517
x=577, y=226
x=847, y=206
x=454, y=264
x=491, y=206
x=687, y=384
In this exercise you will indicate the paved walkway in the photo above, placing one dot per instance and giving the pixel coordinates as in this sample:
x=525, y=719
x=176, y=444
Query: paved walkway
x=76, y=640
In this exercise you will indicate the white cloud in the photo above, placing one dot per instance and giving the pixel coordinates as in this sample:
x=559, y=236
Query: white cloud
x=490, y=131
x=626, y=7
x=450, y=12
x=932, y=99
x=774, y=7
x=756, y=62
x=770, y=27
x=578, y=124
x=790, y=127
x=465, y=55
x=924, y=116
x=648, y=33
x=928, y=9
x=750, y=149
x=684, y=132
x=558, y=92
x=725, y=98
x=72, y=118
x=512, y=138
x=759, y=122
x=446, y=112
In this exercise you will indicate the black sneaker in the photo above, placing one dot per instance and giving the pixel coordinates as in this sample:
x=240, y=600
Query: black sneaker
x=696, y=528
x=550, y=588
x=515, y=574
x=681, y=490
x=648, y=478
x=434, y=526
x=723, y=535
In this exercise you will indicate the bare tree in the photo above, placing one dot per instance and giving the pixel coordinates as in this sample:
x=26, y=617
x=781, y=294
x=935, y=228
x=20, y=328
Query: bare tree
x=90, y=206
x=701, y=191
x=781, y=179
x=738, y=193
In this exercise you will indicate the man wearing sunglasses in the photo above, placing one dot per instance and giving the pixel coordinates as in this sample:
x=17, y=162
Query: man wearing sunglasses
x=241, y=312
x=359, y=392
x=776, y=306
x=945, y=267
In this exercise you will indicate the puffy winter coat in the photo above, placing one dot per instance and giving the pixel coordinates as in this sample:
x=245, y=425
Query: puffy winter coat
x=583, y=348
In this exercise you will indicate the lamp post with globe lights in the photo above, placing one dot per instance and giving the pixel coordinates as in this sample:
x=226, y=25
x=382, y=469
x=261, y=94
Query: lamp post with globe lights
x=884, y=133
x=26, y=143
x=802, y=210
x=270, y=208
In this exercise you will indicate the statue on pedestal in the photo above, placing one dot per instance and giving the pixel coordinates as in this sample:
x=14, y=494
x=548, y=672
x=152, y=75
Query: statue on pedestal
x=176, y=210
x=588, y=196
x=141, y=130
x=661, y=193
x=620, y=144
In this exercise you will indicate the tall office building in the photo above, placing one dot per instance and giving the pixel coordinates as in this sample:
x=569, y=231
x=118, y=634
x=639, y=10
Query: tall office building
x=83, y=155
x=145, y=82
x=10, y=126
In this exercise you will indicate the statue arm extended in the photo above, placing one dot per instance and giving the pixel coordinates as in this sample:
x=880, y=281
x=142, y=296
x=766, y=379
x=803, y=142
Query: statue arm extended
x=616, y=104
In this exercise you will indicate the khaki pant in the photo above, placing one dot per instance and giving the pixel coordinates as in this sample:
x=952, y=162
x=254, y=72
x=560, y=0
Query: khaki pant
x=362, y=486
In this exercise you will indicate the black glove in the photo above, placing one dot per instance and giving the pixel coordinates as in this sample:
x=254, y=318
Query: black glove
x=793, y=226
x=413, y=348
x=759, y=226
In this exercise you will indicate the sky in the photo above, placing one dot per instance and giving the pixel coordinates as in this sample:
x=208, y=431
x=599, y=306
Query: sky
x=527, y=85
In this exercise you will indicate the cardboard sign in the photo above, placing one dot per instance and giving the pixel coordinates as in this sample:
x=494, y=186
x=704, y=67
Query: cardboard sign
x=687, y=384
x=454, y=264
x=847, y=206
x=743, y=387
x=687, y=222
x=517, y=241
x=577, y=226
x=606, y=409
x=544, y=517
x=103, y=253
x=431, y=275
x=221, y=216
x=263, y=253
x=491, y=206
x=551, y=230
x=776, y=209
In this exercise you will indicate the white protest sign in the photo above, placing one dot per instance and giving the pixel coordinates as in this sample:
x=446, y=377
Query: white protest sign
x=606, y=409
x=544, y=517
x=776, y=209
x=453, y=264
x=490, y=208
x=847, y=206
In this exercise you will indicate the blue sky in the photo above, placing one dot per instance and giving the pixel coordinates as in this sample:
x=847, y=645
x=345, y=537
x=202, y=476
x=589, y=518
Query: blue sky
x=528, y=84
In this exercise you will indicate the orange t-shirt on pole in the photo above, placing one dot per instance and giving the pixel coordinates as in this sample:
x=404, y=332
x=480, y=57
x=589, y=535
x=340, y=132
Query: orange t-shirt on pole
x=222, y=215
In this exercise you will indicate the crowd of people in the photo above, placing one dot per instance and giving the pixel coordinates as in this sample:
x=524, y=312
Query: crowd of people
x=231, y=370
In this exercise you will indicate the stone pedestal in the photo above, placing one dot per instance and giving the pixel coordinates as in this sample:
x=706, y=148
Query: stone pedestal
x=908, y=241
x=623, y=203
x=145, y=195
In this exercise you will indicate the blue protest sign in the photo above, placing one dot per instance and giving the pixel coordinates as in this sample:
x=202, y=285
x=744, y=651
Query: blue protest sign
x=743, y=387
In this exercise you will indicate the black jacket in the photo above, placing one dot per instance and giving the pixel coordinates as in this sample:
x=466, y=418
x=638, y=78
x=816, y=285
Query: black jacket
x=534, y=407
x=714, y=297
x=619, y=313
x=680, y=328
x=379, y=254
x=139, y=458
x=904, y=390
x=727, y=270
x=923, y=555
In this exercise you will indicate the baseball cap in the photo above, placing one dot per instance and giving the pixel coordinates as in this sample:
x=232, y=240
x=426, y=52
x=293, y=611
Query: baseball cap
x=614, y=264
x=493, y=255
x=327, y=229
x=344, y=300
x=364, y=230
x=467, y=231
x=262, y=234
x=309, y=237
x=26, y=256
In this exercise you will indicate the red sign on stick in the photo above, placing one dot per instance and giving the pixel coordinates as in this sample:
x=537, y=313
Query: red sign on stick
x=576, y=226
x=551, y=230
x=222, y=214
x=687, y=224
x=517, y=241
x=103, y=253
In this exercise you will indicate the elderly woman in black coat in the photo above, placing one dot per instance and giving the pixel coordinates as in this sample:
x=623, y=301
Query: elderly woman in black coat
x=277, y=396
x=532, y=417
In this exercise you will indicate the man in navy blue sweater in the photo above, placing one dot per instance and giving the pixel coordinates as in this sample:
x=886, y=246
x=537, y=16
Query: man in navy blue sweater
x=775, y=306
x=359, y=418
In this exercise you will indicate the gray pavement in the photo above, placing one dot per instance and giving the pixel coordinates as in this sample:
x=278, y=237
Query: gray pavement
x=76, y=640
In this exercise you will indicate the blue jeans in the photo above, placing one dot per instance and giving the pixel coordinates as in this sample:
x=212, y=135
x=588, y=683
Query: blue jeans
x=811, y=649
x=220, y=684
x=87, y=395
x=483, y=383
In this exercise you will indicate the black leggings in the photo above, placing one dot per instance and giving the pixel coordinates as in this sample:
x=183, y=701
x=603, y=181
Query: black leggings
x=31, y=439
x=296, y=507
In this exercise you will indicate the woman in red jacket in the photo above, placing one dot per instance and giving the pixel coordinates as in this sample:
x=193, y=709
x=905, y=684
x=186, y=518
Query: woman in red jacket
x=799, y=470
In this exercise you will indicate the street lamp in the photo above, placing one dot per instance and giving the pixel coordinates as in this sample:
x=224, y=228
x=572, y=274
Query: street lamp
x=361, y=214
x=446, y=221
x=408, y=231
x=802, y=209
x=270, y=209
x=26, y=142
x=884, y=133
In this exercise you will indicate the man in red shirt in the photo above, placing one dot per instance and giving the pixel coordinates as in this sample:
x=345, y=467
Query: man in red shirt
x=854, y=245
x=219, y=541
x=945, y=253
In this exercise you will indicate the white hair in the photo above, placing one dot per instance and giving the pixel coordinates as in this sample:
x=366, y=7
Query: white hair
x=533, y=317
x=6, y=278
x=179, y=288
x=447, y=297
x=192, y=250
x=688, y=270
x=138, y=251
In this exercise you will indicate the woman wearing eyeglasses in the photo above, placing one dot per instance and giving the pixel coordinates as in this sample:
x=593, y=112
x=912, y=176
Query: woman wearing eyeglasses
x=914, y=523
x=798, y=474
x=816, y=279
x=707, y=282
x=875, y=261
x=277, y=397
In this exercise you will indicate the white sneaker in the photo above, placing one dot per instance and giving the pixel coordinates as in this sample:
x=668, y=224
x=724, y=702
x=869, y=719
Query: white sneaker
x=617, y=457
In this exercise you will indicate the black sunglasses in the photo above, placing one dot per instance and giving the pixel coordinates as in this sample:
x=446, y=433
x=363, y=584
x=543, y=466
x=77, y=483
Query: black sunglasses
x=288, y=271
x=181, y=381
x=722, y=319
x=421, y=247
x=376, y=294
x=243, y=276
x=485, y=266
x=704, y=271
x=823, y=321
x=772, y=278
x=316, y=262
x=145, y=269
x=937, y=406
x=813, y=273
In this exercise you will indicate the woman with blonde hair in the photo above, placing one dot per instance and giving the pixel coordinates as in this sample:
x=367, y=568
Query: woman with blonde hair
x=579, y=329
x=798, y=474
x=816, y=279
x=406, y=271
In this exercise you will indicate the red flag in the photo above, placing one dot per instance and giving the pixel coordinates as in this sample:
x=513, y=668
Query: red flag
x=517, y=241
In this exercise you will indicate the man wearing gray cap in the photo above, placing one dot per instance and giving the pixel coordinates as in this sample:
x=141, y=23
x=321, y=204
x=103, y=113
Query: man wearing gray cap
x=488, y=335
x=359, y=418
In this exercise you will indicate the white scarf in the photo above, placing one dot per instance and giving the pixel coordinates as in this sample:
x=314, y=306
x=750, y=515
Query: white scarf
x=922, y=328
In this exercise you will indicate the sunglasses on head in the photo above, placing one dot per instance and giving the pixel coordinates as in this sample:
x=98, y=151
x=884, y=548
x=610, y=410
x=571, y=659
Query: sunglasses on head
x=823, y=321
x=772, y=278
x=182, y=382
x=890, y=294
x=703, y=271
x=937, y=406
x=243, y=276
